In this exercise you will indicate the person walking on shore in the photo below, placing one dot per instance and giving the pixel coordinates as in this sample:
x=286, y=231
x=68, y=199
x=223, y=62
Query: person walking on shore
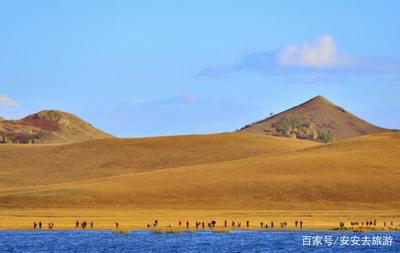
x=40, y=225
x=77, y=224
x=91, y=224
x=116, y=225
x=34, y=225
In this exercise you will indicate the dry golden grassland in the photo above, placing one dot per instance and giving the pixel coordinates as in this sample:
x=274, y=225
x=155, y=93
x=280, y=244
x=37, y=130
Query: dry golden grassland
x=224, y=176
x=129, y=219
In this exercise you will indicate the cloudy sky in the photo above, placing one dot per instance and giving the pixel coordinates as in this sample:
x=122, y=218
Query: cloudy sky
x=144, y=68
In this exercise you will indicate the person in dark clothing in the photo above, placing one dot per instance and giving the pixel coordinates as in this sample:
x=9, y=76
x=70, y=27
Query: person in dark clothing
x=247, y=223
x=187, y=224
x=91, y=224
x=40, y=225
x=77, y=224
x=34, y=225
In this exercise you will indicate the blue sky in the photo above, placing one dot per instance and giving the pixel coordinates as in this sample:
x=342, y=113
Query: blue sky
x=144, y=68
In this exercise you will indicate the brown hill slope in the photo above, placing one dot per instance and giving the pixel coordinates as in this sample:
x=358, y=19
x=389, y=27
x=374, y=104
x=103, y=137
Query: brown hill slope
x=25, y=165
x=317, y=119
x=48, y=127
x=357, y=173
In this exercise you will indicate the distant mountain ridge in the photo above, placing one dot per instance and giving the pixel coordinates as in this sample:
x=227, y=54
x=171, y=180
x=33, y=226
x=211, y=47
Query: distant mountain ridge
x=316, y=119
x=49, y=126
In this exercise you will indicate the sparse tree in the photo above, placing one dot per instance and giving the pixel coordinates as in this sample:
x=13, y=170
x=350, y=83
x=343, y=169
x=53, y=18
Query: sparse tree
x=326, y=136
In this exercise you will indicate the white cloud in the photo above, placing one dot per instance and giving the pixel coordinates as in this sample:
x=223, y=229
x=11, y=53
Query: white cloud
x=317, y=53
x=7, y=101
x=314, y=60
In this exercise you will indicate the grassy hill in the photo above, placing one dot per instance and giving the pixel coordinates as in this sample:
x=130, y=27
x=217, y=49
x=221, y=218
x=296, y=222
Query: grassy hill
x=238, y=171
x=317, y=119
x=49, y=164
x=48, y=126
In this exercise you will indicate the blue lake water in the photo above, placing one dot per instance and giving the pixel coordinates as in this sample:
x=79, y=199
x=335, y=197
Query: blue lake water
x=236, y=241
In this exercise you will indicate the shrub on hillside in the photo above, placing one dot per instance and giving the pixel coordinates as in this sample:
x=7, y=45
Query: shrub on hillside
x=326, y=136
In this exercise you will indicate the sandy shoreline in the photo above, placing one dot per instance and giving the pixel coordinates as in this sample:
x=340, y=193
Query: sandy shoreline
x=137, y=219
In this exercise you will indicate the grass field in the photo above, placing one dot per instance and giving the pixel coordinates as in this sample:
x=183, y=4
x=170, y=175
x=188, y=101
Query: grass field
x=224, y=176
x=136, y=218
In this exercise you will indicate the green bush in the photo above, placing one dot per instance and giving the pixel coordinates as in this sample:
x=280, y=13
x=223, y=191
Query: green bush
x=288, y=124
x=326, y=136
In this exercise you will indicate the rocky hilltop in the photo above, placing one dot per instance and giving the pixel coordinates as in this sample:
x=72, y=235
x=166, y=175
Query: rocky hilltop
x=48, y=126
x=317, y=119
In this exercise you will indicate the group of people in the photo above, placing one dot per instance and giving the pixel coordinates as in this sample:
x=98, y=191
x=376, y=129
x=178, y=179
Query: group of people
x=212, y=224
x=283, y=224
x=233, y=224
x=78, y=225
x=237, y=224
x=198, y=224
x=202, y=224
x=38, y=225
x=362, y=223
x=298, y=223
x=366, y=223
x=83, y=224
